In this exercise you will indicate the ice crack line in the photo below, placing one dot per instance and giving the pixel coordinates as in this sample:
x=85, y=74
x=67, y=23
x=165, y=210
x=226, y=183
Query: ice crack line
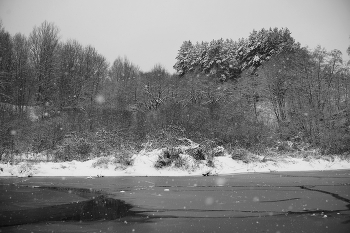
x=336, y=196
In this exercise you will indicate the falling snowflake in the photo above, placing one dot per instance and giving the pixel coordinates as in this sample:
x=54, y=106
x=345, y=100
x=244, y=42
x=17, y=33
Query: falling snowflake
x=220, y=181
x=100, y=99
x=209, y=201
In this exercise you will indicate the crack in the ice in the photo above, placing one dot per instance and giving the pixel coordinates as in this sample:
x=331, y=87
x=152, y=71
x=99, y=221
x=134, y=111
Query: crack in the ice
x=320, y=177
x=289, y=199
x=268, y=212
x=336, y=196
x=246, y=186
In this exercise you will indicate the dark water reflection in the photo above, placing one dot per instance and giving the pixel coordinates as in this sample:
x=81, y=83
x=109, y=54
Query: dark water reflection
x=99, y=207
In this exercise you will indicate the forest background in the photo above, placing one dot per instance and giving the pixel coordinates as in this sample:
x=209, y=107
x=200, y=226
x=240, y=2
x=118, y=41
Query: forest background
x=260, y=92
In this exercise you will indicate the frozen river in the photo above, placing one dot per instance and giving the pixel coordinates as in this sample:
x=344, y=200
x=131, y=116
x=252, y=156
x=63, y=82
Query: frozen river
x=256, y=202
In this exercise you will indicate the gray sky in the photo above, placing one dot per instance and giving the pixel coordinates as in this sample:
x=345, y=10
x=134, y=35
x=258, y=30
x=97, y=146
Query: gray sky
x=150, y=32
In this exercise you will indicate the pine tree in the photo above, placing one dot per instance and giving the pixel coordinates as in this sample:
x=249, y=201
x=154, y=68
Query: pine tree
x=182, y=65
x=228, y=59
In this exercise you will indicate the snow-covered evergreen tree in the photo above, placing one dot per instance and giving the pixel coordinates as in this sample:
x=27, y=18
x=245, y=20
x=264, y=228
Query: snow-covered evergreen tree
x=228, y=59
x=182, y=65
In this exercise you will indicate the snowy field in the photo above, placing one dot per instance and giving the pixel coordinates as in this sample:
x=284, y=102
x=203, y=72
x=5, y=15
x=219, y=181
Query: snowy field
x=143, y=164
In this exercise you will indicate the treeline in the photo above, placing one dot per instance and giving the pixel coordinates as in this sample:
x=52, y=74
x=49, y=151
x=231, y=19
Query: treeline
x=307, y=91
x=65, y=99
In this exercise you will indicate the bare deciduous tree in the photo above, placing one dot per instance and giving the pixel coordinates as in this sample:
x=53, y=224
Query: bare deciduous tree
x=43, y=47
x=23, y=83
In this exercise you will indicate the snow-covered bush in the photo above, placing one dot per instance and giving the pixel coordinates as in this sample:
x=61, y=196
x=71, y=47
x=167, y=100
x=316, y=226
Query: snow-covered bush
x=206, y=150
x=162, y=162
x=73, y=147
x=124, y=158
x=6, y=156
x=242, y=154
x=168, y=137
x=102, y=162
x=121, y=160
x=286, y=146
x=196, y=153
x=177, y=158
x=168, y=157
x=25, y=169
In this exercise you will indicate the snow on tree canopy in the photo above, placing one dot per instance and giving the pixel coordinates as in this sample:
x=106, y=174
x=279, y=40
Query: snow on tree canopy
x=227, y=59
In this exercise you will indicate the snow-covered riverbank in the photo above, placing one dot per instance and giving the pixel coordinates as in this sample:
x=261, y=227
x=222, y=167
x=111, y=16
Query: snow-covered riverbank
x=144, y=165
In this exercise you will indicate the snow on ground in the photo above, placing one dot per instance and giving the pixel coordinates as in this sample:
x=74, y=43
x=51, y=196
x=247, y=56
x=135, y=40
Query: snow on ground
x=144, y=161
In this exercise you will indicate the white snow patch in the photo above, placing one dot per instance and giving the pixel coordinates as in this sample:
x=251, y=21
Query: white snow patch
x=144, y=161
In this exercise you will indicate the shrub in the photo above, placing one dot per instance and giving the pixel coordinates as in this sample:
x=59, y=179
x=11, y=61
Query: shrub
x=336, y=141
x=172, y=153
x=196, y=153
x=286, y=146
x=180, y=162
x=168, y=137
x=270, y=155
x=25, y=169
x=243, y=155
x=107, y=142
x=74, y=147
x=102, y=162
x=124, y=158
x=120, y=160
x=6, y=156
x=210, y=163
x=211, y=149
x=162, y=162
x=168, y=157
x=83, y=148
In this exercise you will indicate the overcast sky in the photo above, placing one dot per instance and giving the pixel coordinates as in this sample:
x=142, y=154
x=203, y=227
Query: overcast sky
x=150, y=32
